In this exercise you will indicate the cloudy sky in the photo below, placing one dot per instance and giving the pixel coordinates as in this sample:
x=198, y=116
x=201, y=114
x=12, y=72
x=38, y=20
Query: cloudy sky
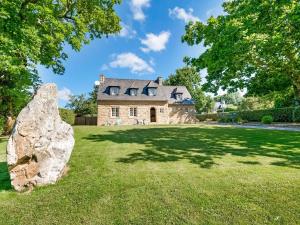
x=148, y=45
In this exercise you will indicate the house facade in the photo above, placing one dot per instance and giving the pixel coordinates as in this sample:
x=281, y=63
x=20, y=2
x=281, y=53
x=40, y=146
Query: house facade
x=129, y=102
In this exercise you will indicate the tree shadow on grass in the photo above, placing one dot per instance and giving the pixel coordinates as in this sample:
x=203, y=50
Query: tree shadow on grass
x=202, y=145
x=4, y=177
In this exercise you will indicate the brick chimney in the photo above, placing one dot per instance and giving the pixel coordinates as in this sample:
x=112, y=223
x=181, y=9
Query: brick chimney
x=102, y=79
x=160, y=80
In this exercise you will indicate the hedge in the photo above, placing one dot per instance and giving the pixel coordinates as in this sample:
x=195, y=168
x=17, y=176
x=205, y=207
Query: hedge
x=2, y=124
x=211, y=116
x=297, y=114
x=67, y=115
x=290, y=114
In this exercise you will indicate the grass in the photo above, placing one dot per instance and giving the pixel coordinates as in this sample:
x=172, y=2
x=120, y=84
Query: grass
x=167, y=175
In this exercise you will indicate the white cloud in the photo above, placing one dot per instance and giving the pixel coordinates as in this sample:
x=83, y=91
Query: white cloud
x=137, y=9
x=131, y=61
x=64, y=94
x=154, y=42
x=104, y=67
x=182, y=14
x=127, y=31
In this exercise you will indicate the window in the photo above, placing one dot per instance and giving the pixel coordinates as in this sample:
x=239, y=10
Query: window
x=133, y=112
x=133, y=92
x=152, y=91
x=114, y=90
x=162, y=110
x=115, y=111
x=179, y=96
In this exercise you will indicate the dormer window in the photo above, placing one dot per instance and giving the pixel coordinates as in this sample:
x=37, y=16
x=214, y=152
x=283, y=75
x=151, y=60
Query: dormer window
x=114, y=90
x=178, y=96
x=133, y=92
x=152, y=91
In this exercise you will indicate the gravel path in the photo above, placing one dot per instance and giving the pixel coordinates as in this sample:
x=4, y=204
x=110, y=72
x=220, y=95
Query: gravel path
x=275, y=126
x=269, y=127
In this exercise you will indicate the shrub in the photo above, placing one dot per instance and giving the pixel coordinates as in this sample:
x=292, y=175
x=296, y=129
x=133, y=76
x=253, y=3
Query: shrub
x=239, y=120
x=224, y=120
x=279, y=115
x=267, y=119
x=204, y=117
x=296, y=115
x=67, y=115
x=289, y=114
x=2, y=124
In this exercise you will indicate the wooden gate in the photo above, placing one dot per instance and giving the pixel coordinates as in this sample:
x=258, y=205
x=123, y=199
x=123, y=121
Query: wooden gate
x=89, y=121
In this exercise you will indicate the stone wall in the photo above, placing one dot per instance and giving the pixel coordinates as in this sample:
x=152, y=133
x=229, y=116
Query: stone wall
x=143, y=112
x=182, y=114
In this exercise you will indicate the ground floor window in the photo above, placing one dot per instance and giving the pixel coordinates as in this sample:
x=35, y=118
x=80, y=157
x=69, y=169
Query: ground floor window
x=133, y=112
x=162, y=110
x=115, y=111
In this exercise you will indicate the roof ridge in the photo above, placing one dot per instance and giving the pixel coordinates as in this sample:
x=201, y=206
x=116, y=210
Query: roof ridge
x=127, y=79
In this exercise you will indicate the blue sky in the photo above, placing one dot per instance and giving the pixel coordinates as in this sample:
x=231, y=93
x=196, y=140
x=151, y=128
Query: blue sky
x=148, y=45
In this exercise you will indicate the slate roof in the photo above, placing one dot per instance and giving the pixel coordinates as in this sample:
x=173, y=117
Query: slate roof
x=164, y=93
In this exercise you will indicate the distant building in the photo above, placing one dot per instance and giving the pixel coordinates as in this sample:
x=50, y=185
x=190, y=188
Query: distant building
x=219, y=106
x=130, y=101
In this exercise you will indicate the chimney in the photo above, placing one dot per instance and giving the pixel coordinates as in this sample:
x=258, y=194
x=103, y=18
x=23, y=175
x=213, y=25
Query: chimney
x=160, y=80
x=102, y=79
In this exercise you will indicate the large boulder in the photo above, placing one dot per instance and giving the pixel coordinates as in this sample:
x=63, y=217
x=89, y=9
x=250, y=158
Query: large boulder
x=41, y=143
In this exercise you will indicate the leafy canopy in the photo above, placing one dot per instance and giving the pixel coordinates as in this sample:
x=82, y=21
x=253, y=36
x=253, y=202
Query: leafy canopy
x=189, y=77
x=83, y=105
x=254, y=45
x=35, y=32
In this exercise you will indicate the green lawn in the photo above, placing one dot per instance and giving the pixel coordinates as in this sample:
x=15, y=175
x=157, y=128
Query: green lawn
x=167, y=175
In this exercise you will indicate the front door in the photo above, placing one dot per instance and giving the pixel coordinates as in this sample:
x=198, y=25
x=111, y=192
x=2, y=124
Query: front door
x=152, y=115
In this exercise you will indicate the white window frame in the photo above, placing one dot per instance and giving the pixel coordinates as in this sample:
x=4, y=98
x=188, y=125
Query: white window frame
x=152, y=91
x=115, y=112
x=114, y=90
x=133, y=90
x=133, y=112
x=179, y=96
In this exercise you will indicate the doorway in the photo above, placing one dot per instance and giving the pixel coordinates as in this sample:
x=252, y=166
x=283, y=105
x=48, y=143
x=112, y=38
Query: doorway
x=152, y=115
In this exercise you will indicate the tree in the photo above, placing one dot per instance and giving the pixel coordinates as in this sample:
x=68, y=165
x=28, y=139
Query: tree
x=230, y=98
x=255, y=103
x=35, y=32
x=254, y=45
x=189, y=77
x=209, y=104
x=83, y=105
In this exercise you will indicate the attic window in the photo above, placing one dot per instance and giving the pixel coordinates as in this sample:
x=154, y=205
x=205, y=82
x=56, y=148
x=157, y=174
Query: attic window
x=178, y=96
x=133, y=92
x=114, y=90
x=152, y=91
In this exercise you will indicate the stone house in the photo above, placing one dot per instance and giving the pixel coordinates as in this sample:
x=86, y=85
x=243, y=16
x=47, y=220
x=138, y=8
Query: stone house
x=131, y=101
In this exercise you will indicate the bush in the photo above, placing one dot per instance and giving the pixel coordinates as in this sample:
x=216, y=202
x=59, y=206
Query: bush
x=289, y=114
x=279, y=115
x=296, y=115
x=267, y=119
x=2, y=124
x=67, y=115
x=204, y=117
